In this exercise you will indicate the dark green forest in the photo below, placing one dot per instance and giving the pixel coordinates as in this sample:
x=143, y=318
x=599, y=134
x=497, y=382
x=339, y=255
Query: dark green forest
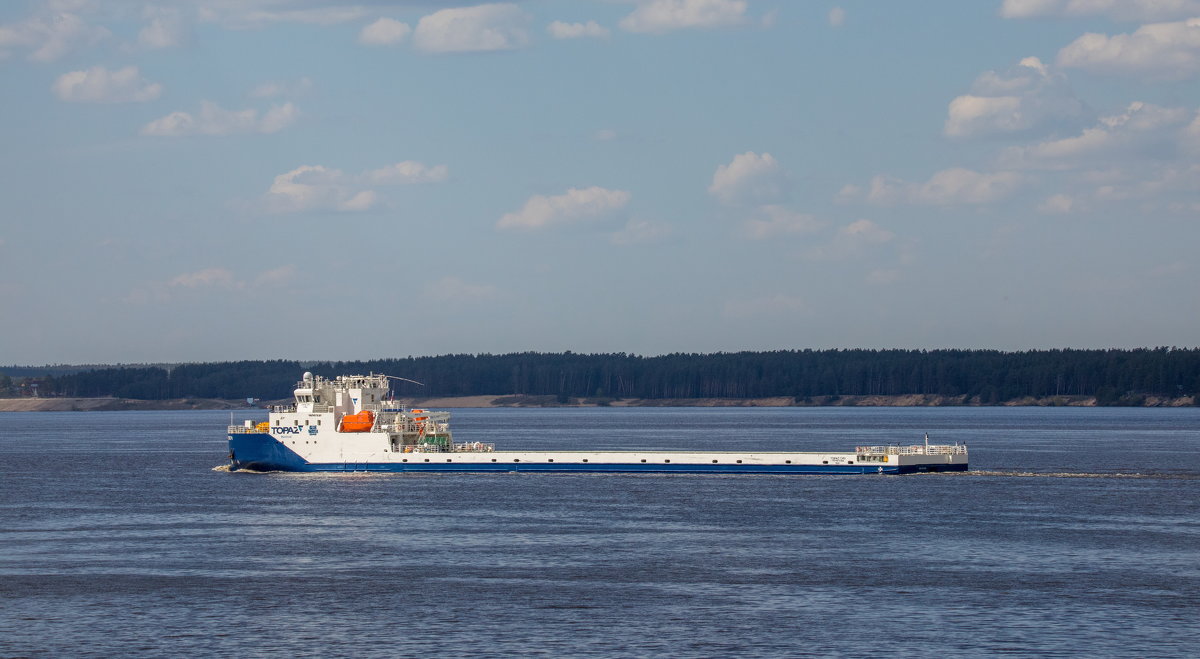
x=983, y=376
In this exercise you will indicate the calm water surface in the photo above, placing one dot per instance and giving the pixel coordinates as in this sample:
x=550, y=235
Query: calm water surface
x=1076, y=534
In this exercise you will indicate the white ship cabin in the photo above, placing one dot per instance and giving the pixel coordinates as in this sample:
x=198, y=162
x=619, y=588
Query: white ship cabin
x=362, y=404
x=347, y=394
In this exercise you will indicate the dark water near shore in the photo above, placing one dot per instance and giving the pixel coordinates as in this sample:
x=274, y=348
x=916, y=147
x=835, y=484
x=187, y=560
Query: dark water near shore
x=1076, y=534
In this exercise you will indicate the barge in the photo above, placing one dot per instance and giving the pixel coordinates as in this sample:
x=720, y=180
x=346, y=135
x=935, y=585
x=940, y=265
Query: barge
x=352, y=424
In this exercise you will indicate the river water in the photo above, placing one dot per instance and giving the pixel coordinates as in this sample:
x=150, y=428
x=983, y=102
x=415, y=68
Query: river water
x=1077, y=533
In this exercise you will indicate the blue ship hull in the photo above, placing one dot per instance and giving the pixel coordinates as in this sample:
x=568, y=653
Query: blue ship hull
x=261, y=452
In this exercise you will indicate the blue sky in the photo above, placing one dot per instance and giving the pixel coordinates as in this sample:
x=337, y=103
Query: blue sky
x=245, y=179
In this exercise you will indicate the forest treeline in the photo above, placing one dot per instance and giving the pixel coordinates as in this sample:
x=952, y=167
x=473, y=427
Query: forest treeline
x=984, y=376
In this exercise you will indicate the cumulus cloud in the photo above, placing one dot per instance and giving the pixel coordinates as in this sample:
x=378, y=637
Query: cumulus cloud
x=852, y=240
x=384, y=32
x=658, y=16
x=215, y=120
x=1161, y=51
x=575, y=205
x=1058, y=204
x=1027, y=98
x=561, y=30
x=473, y=29
x=319, y=188
x=99, y=85
x=749, y=178
x=165, y=28
x=1143, y=129
x=407, y=173
x=955, y=186
x=638, y=231
x=207, y=278
x=1122, y=10
x=777, y=220
x=253, y=14
x=50, y=36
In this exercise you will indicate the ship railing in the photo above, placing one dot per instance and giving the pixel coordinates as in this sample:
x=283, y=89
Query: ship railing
x=241, y=430
x=468, y=447
x=916, y=449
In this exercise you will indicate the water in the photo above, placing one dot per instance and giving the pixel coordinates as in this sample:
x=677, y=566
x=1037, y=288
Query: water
x=1076, y=534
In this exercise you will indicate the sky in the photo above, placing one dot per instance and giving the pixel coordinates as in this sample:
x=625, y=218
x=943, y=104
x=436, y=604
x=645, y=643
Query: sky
x=210, y=180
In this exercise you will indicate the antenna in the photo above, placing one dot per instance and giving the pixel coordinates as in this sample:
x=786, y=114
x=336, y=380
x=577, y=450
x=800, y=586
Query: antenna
x=393, y=377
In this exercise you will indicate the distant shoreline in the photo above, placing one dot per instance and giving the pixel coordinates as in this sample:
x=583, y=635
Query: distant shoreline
x=912, y=400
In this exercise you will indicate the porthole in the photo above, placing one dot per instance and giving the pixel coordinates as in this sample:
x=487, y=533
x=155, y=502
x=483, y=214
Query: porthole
x=824, y=462
x=739, y=462
x=585, y=459
x=550, y=460
x=426, y=459
x=850, y=463
x=643, y=459
x=449, y=460
x=666, y=461
x=493, y=459
x=404, y=460
x=787, y=462
x=516, y=459
x=714, y=462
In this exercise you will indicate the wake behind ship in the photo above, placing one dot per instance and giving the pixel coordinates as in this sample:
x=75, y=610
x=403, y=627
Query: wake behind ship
x=352, y=423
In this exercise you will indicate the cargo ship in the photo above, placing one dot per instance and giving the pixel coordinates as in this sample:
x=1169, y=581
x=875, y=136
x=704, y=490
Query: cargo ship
x=352, y=423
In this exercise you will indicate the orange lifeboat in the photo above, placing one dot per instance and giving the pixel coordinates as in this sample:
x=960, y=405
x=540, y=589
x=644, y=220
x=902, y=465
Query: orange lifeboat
x=361, y=422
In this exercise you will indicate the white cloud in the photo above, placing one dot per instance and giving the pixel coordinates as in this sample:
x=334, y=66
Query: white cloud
x=575, y=205
x=473, y=29
x=208, y=278
x=1122, y=10
x=945, y=188
x=319, y=188
x=749, y=178
x=254, y=14
x=276, y=277
x=1142, y=129
x=865, y=232
x=51, y=36
x=658, y=16
x=1160, y=51
x=99, y=85
x=561, y=30
x=165, y=28
x=384, y=32
x=837, y=17
x=1026, y=98
x=408, y=172
x=778, y=220
x=637, y=231
x=215, y=120
x=852, y=240
x=1058, y=204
